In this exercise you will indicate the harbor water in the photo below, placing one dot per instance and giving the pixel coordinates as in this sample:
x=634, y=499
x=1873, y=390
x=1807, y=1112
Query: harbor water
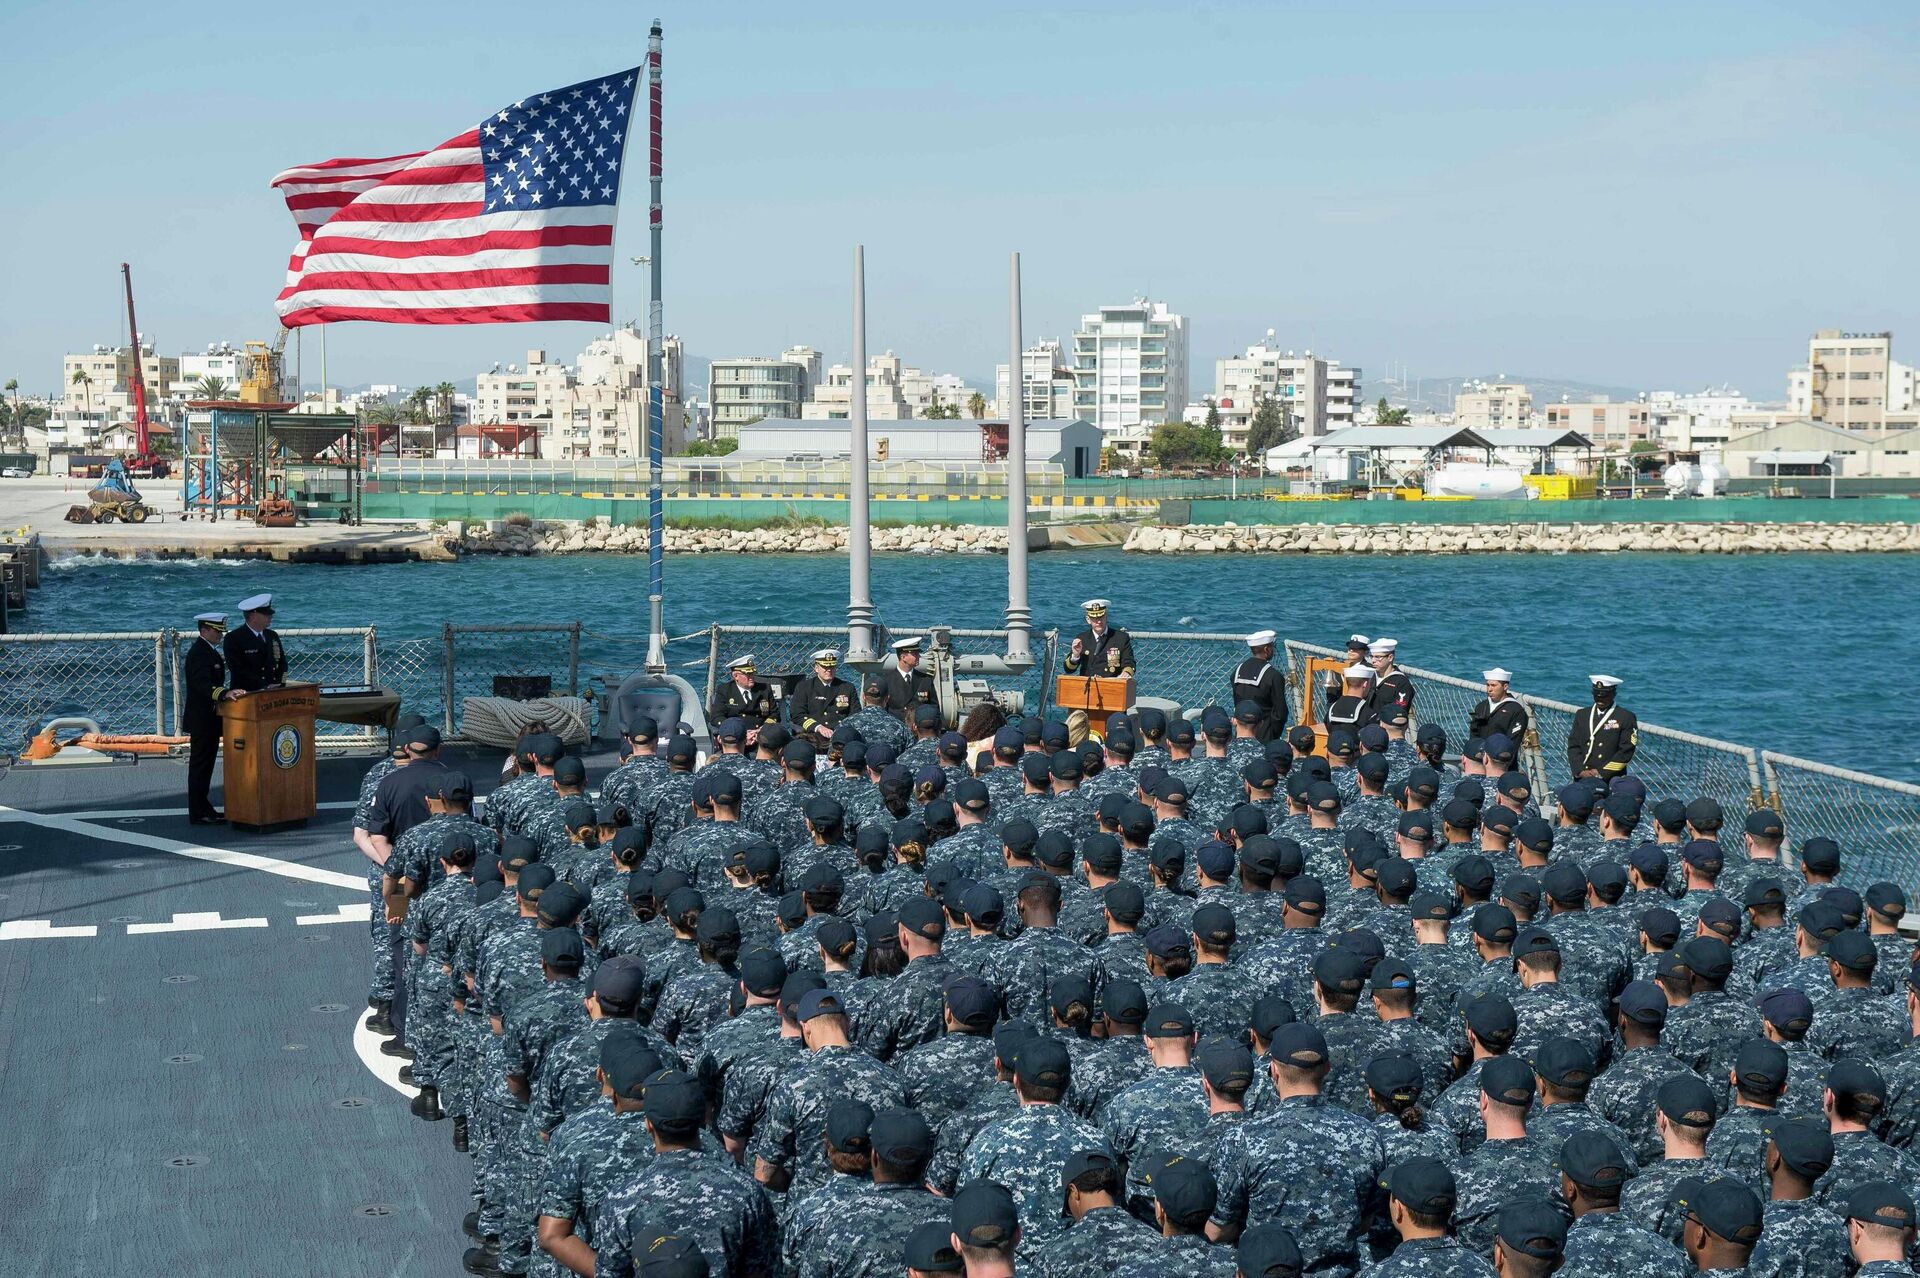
x=1811, y=655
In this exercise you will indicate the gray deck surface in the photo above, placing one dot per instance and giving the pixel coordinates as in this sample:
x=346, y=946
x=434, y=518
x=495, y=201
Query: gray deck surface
x=190, y=1102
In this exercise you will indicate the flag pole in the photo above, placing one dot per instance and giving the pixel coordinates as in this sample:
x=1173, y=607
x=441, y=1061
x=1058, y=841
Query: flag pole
x=656, y=408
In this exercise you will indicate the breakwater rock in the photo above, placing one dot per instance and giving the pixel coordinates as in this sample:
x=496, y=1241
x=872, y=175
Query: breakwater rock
x=512, y=537
x=1450, y=539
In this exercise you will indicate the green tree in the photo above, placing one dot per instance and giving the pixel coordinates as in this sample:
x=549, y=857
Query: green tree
x=212, y=387
x=85, y=382
x=1213, y=416
x=380, y=414
x=1384, y=416
x=976, y=405
x=1271, y=426
x=713, y=447
x=1182, y=444
x=443, y=402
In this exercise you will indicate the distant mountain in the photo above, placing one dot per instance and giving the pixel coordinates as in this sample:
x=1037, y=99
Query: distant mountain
x=1435, y=394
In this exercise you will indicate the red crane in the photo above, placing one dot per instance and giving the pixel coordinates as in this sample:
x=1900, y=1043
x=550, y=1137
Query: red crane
x=142, y=428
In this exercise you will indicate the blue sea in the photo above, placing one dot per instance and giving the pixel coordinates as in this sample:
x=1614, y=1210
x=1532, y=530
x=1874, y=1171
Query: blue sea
x=1812, y=655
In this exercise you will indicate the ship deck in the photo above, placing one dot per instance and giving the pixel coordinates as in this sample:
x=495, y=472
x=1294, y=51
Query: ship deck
x=187, y=1083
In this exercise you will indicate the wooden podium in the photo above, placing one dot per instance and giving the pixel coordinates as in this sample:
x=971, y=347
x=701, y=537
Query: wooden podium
x=1098, y=697
x=267, y=738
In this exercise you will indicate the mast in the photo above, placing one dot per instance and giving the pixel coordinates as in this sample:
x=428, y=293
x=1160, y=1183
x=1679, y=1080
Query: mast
x=859, y=535
x=1019, y=615
x=656, y=408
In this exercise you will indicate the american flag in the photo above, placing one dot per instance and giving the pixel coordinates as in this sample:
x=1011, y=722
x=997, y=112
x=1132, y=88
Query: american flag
x=509, y=222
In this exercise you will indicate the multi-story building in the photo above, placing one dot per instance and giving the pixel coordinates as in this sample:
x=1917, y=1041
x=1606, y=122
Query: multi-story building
x=1688, y=422
x=925, y=392
x=1130, y=369
x=101, y=380
x=1493, y=406
x=1045, y=380
x=886, y=402
x=1317, y=393
x=1612, y=424
x=598, y=408
x=1852, y=382
x=221, y=363
x=809, y=360
x=748, y=389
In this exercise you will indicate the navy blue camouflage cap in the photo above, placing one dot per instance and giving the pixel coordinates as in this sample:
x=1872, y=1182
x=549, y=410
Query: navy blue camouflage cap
x=675, y=1098
x=1214, y=924
x=1215, y=859
x=1644, y=1003
x=1424, y=781
x=1650, y=860
x=1702, y=854
x=1852, y=950
x=1576, y=799
x=1054, y=848
x=792, y=909
x=660, y=1254
x=1822, y=919
x=901, y=1137
x=718, y=928
x=1019, y=835
x=1111, y=805
x=1507, y=1080
x=1660, y=926
x=1513, y=784
x=1594, y=1160
x=1306, y=893
x=1522, y=890
x=1180, y=731
x=1707, y=957
x=1501, y=820
x=1608, y=880
x=849, y=1127
x=837, y=939
x=1474, y=873
x=1764, y=893
x=1852, y=908
x=818, y=1002
x=1805, y=1145
x=929, y=1249
x=1034, y=768
x=1393, y=974
x=571, y=770
x=853, y=755
x=1185, y=1190
x=1071, y=998
x=1394, y=1076
x=1009, y=740
x=1172, y=791
x=1043, y=1062
x=1820, y=855
x=1531, y=1227
x=1268, y=1251
x=1760, y=1066
x=1373, y=768
x=796, y=987
x=1102, y=853
x=1417, y=825
x=1534, y=834
x=1395, y=876
x=732, y=730
x=1722, y=917
x=983, y=905
x=1166, y=941
x=1883, y=1203
x=1886, y=900
x=926, y=715
x=762, y=971
x=972, y=795
x=1054, y=735
x=881, y=755
x=773, y=737
x=919, y=915
x=1290, y=858
x=1860, y=1084
x=984, y=1215
x=518, y=851
x=1492, y=1020
x=1565, y=883
x=562, y=949
x=534, y=882
x=1495, y=924
x=1565, y=1063
x=680, y=749
x=1623, y=810
x=1461, y=812
x=1168, y=855
x=1431, y=906
x=1225, y=1064
x=1299, y=1045
x=1704, y=814
x=952, y=747
x=1342, y=744
x=1670, y=815
x=1261, y=774
x=973, y=1002
x=1339, y=971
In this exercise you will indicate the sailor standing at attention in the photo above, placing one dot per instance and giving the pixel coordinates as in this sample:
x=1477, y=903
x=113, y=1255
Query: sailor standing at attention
x=1101, y=651
x=255, y=659
x=1257, y=681
x=1391, y=687
x=1604, y=735
x=1357, y=654
x=909, y=685
x=205, y=673
x=1499, y=712
x=1353, y=709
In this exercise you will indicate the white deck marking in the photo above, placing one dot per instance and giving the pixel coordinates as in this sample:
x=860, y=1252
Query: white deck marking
x=222, y=856
x=366, y=1045
x=39, y=930
x=209, y=921
x=108, y=814
x=351, y=912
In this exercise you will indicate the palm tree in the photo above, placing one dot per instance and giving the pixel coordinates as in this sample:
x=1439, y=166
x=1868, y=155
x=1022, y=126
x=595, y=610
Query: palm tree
x=443, y=402
x=381, y=414
x=212, y=387
x=82, y=380
x=976, y=406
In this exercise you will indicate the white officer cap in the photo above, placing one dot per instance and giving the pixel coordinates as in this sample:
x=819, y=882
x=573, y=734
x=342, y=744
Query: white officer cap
x=211, y=619
x=1379, y=646
x=1095, y=607
x=1357, y=672
x=1361, y=640
x=257, y=603
x=1604, y=681
x=1497, y=675
x=907, y=645
x=741, y=663
x=827, y=656
x=1260, y=638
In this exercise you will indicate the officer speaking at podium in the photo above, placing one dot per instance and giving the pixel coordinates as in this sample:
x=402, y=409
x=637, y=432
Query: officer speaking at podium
x=255, y=659
x=1101, y=651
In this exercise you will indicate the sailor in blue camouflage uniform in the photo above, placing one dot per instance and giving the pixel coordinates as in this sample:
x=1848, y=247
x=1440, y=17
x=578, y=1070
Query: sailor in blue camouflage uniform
x=697, y=996
x=911, y=1008
x=690, y=1189
x=1707, y=1031
x=1103, y=1235
x=1184, y=1196
x=1508, y=1164
x=1546, y=1007
x=1738, y=1143
x=1799, y=1236
x=627, y=786
x=672, y=795
x=873, y=722
x=1604, y=1240
x=530, y=753
x=430, y=1025
x=788, y=1148
x=1421, y=1196
x=1162, y=1113
x=594, y=1152
x=869, y=1226
x=416, y=854
x=1023, y=969
x=704, y=849
x=924, y=751
x=1852, y=1018
x=1624, y=1093
x=567, y=1082
x=1120, y=1059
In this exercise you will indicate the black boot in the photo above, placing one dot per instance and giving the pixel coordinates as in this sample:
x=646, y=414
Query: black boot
x=427, y=1105
x=480, y=1260
x=406, y=1075
x=470, y=1225
x=380, y=1022
x=460, y=1136
x=394, y=1047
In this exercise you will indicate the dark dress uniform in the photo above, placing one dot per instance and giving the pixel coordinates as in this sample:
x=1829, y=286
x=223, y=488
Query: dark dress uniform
x=813, y=704
x=255, y=661
x=1256, y=680
x=1602, y=740
x=754, y=703
x=905, y=690
x=1108, y=657
x=205, y=673
x=1509, y=719
x=1391, y=689
x=1350, y=714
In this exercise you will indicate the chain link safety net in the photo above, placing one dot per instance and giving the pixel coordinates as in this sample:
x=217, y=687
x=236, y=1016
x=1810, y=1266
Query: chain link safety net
x=416, y=669
x=117, y=680
x=1191, y=670
x=1875, y=821
x=522, y=662
x=788, y=651
x=332, y=658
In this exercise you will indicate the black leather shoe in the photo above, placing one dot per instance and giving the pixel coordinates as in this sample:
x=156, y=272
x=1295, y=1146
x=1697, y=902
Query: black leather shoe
x=470, y=1223
x=427, y=1105
x=394, y=1047
x=478, y=1260
x=460, y=1140
x=380, y=1022
x=406, y=1075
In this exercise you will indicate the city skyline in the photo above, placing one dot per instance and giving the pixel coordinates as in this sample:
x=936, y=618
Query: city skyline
x=1548, y=194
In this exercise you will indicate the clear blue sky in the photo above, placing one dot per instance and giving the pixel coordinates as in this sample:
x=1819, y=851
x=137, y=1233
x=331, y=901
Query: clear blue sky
x=1635, y=194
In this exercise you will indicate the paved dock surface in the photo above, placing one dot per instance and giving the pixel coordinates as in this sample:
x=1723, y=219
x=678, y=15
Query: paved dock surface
x=176, y=1044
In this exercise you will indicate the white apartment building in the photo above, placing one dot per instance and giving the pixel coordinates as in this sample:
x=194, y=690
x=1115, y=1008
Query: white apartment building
x=1045, y=381
x=1130, y=368
x=1689, y=421
x=925, y=391
x=1851, y=381
x=108, y=384
x=1318, y=393
x=895, y=392
x=598, y=408
x=809, y=360
x=220, y=360
x=751, y=388
x=1493, y=406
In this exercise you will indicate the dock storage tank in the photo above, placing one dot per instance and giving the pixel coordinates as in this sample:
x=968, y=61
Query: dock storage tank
x=1492, y=483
